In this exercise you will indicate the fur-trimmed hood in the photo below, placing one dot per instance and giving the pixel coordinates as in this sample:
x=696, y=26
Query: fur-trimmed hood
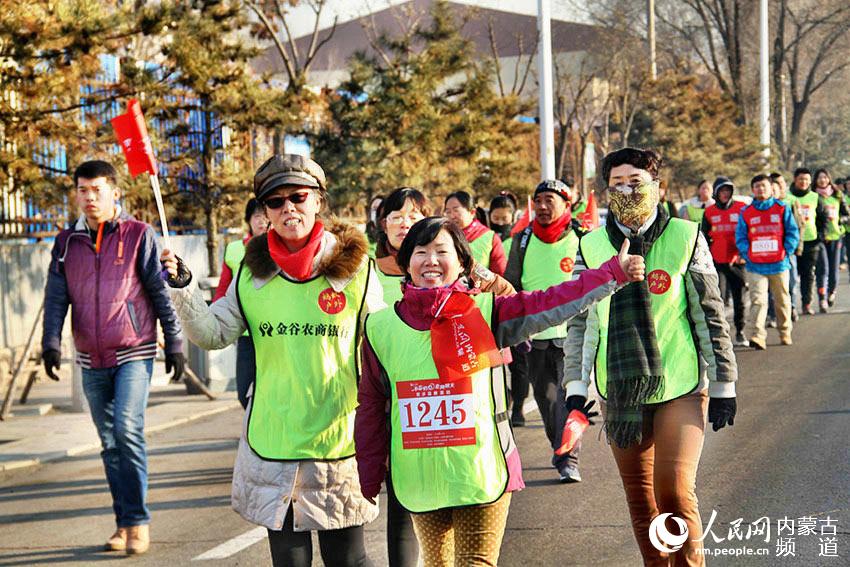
x=342, y=254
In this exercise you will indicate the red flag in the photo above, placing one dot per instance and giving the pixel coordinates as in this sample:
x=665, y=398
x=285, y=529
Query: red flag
x=133, y=136
x=524, y=220
x=590, y=217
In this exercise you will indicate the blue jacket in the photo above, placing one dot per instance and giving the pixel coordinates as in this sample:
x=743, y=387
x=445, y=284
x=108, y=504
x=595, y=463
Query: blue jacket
x=792, y=238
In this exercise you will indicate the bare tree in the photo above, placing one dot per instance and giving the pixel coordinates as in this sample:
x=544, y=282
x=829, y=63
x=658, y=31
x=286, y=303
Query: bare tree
x=809, y=47
x=274, y=17
x=520, y=74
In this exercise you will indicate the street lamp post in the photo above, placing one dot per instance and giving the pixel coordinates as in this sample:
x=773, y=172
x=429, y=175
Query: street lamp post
x=544, y=111
x=764, y=122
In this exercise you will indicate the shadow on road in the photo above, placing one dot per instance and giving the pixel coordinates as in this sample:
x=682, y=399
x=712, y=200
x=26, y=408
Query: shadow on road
x=87, y=554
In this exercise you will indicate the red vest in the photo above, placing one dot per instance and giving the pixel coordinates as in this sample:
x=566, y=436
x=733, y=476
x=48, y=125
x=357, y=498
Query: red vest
x=723, y=223
x=766, y=234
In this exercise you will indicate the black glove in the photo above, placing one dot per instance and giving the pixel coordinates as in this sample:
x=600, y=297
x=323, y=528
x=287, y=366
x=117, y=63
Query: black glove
x=578, y=403
x=183, y=277
x=721, y=412
x=175, y=361
x=51, y=359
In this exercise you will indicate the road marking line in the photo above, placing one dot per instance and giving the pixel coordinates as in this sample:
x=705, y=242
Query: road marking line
x=234, y=545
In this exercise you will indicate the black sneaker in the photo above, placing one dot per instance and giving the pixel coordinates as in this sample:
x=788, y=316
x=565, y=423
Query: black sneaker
x=794, y=315
x=517, y=419
x=831, y=299
x=741, y=341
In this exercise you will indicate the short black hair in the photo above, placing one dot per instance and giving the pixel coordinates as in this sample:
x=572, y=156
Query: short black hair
x=96, y=168
x=424, y=232
x=775, y=176
x=250, y=208
x=759, y=177
x=504, y=200
x=463, y=198
x=647, y=159
x=395, y=202
x=802, y=171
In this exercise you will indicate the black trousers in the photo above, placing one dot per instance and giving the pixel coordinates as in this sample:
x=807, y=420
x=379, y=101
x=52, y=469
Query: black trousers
x=519, y=378
x=806, y=264
x=345, y=547
x=732, y=279
x=546, y=373
x=402, y=546
x=246, y=368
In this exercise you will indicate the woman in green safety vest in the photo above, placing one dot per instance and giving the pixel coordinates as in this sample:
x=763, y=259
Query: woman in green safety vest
x=427, y=363
x=502, y=216
x=826, y=272
x=694, y=208
x=660, y=352
x=255, y=218
x=302, y=292
x=486, y=246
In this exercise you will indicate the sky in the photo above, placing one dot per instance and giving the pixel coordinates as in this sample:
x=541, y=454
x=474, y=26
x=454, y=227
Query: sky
x=303, y=18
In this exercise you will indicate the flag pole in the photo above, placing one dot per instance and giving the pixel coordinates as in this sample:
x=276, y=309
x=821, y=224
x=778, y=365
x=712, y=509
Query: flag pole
x=157, y=195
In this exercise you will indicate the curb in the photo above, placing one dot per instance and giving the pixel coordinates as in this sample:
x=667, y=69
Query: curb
x=79, y=449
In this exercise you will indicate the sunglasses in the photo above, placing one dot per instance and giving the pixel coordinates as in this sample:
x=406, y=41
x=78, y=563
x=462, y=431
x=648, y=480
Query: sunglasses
x=275, y=203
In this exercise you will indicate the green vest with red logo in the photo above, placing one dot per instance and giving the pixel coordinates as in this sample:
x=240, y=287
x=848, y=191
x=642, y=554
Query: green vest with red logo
x=666, y=265
x=449, y=438
x=546, y=265
x=306, y=343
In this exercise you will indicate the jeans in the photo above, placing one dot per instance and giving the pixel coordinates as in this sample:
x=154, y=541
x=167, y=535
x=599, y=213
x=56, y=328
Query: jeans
x=246, y=368
x=117, y=399
x=345, y=547
x=827, y=268
x=546, y=374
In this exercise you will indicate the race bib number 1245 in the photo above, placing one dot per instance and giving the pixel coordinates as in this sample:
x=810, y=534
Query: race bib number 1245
x=434, y=413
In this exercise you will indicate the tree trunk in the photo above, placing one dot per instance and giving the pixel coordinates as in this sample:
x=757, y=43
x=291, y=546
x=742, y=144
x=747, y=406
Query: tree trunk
x=212, y=241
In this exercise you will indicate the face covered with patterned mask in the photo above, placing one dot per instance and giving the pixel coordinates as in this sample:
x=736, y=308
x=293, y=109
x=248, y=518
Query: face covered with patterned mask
x=633, y=204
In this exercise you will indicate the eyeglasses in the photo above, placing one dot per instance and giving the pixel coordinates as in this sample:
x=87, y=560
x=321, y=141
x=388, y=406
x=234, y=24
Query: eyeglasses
x=413, y=218
x=275, y=203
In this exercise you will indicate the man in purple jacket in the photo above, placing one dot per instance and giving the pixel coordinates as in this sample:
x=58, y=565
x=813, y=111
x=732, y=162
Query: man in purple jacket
x=107, y=267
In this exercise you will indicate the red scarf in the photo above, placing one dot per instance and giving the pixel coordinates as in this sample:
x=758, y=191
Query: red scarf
x=461, y=340
x=552, y=231
x=298, y=265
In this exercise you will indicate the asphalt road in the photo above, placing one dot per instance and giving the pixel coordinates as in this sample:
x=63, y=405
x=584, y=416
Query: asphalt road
x=786, y=457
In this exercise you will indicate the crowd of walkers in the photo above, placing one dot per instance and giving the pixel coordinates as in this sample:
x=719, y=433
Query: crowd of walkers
x=378, y=360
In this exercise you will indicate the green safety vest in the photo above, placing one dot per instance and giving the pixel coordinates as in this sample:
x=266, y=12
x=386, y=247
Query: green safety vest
x=666, y=265
x=546, y=265
x=481, y=248
x=834, y=230
x=695, y=213
x=305, y=339
x=506, y=244
x=807, y=206
x=391, y=285
x=445, y=450
x=233, y=254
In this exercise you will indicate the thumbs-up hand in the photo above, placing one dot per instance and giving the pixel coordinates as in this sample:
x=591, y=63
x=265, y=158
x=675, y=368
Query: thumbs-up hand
x=632, y=265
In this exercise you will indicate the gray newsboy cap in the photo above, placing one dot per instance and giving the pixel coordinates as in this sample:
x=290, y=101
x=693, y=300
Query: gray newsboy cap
x=287, y=169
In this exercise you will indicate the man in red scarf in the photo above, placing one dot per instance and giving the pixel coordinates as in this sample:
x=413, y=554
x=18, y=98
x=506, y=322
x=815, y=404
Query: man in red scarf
x=543, y=255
